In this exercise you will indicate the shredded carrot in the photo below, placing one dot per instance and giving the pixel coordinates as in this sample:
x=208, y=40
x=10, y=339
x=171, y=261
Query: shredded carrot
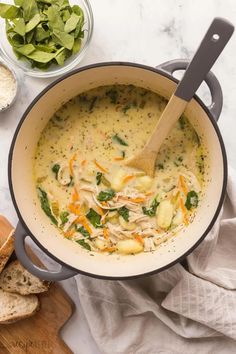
x=83, y=162
x=184, y=211
x=106, y=233
x=83, y=221
x=100, y=167
x=75, y=209
x=134, y=200
x=100, y=211
x=75, y=195
x=71, y=162
x=69, y=233
x=126, y=179
x=109, y=249
x=118, y=158
x=183, y=184
x=148, y=194
x=139, y=238
x=104, y=203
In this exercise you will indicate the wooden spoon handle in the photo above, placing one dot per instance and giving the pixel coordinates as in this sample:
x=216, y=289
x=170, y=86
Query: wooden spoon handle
x=209, y=50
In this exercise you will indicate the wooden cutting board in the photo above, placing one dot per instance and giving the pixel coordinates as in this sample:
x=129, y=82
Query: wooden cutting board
x=40, y=333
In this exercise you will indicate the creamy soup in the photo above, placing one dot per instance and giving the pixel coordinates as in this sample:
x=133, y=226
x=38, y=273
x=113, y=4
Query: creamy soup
x=89, y=193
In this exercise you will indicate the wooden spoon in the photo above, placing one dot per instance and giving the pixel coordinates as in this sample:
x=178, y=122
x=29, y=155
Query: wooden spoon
x=210, y=48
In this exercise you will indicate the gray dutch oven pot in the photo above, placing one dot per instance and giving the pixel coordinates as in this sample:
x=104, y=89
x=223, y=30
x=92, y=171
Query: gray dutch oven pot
x=33, y=222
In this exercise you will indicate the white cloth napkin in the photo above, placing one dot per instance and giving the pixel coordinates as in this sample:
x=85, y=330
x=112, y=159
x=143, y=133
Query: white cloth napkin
x=176, y=311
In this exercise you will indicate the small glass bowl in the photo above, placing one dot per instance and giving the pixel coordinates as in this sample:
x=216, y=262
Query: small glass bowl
x=54, y=70
x=8, y=67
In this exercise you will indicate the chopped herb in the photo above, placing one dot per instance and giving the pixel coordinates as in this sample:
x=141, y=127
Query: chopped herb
x=84, y=244
x=83, y=231
x=123, y=154
x=160, y=166
x=191, y=200
x=45, y=205
x=182, y=122
x=92, y=103
x=104, y=196
x=119, y=140
x=152, y=210
x=124, y=212
x=64, y=217
x=113, y=95
x=98, y=178
x=55, y=169
x=94, y=218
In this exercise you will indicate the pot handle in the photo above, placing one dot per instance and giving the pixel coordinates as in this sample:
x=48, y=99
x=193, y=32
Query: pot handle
x=212, y=82
x=63, y=273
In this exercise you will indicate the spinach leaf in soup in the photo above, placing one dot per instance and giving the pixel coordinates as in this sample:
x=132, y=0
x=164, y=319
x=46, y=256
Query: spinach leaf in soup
x=104, y=196
x=55, y=169
x=94, y=218
x=191, y=200
x=84, y=244
x=45, y=205
x=64, y=217
x=124, y=212
x=83, y=231
x=153, y=208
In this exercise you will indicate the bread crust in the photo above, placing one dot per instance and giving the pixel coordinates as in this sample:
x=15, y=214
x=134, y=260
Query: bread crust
x=22, y=317
x=6, y=250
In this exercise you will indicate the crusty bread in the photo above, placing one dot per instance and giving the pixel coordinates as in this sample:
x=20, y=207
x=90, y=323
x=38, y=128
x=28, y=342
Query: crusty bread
x=15, y=307
x=6, y=248
x=16, y=279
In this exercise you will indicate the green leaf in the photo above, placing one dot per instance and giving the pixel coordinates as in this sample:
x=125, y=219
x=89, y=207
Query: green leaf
x=55, y=169
x=153, y=208
x=32, y=23
x=29, y=9
x=124, y=212
x=76, y=46
x=64, y=217
x=41, y=34
x=45, y=205
x=65, y=14
x=84, y=244
x=9, y=12
x=94, y=218
x=78, y=11
x=191, y=200
x=54, y=19
x=15, y=40
x=26, y=49
x=63, y=38
x=92, y=103
x=19, y=26
x=19, y=2
x=83, y=231
x=104, y=196
x=61, y=57
x=71, y=23
x=41, y=57
x=119, y=140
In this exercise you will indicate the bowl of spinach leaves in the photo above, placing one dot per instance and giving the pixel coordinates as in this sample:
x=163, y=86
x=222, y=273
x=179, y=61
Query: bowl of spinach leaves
x=45, y=38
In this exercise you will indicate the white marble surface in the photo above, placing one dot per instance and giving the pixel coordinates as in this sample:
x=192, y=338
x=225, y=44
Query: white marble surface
x=143, y=31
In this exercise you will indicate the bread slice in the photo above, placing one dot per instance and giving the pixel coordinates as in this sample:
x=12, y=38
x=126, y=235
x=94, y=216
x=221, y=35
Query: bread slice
x=6, y=247
x=15, y=307
x=16, y=279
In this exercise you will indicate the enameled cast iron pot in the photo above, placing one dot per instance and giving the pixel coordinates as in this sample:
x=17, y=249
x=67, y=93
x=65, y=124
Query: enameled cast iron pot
x=33, y=221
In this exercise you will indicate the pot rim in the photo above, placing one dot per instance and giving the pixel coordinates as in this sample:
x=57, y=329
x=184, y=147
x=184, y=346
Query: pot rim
x=141, y=66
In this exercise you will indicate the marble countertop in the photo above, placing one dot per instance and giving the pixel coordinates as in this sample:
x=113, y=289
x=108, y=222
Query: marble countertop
x=142, y=31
